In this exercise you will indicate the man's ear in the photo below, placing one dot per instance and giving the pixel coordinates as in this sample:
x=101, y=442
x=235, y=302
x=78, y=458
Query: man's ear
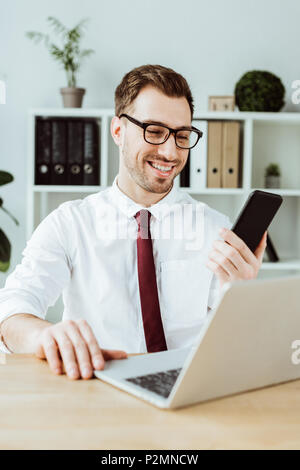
x=115, y=129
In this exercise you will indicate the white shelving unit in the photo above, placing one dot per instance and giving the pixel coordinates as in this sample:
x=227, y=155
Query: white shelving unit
x=267, y=138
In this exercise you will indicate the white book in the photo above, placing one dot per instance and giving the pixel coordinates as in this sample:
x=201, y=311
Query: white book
x=198, y=158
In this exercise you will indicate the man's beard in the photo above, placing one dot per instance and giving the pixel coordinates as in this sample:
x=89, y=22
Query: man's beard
x=141, y=175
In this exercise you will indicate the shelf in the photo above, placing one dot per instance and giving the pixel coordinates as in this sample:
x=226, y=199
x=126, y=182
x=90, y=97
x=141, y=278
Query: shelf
x=213, y=191
x=66, y=189
x=230, y=115
x=282, y=192
x=254, y=116
x=92, y=189
x=73, y=112
x=223, y=191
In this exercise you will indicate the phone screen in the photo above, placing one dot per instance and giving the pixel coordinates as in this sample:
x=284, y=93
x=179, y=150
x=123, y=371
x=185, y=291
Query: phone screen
x=256, y=216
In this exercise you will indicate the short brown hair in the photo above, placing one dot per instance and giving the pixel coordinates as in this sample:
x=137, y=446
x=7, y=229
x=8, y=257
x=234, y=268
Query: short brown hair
x=165, y=79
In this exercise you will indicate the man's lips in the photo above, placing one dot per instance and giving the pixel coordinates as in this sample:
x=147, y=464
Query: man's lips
x=164, y=164
x=160, y=172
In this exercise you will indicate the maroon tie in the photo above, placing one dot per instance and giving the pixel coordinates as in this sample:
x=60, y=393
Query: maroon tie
x=153, y=327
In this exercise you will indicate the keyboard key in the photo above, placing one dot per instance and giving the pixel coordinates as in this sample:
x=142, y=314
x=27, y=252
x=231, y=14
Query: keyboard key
x=160, y=382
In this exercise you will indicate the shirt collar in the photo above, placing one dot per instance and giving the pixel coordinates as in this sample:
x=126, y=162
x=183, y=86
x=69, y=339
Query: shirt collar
x=130, y=207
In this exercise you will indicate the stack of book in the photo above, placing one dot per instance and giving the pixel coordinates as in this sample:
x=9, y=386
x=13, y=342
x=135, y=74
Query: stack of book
x=67, y=151
x=215, y=162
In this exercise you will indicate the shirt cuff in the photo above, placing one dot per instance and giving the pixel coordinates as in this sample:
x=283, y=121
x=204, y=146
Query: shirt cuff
x=12, y=306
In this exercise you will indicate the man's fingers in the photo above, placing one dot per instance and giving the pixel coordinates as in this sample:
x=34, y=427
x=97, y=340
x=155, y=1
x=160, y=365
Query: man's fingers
x=94, y=349
x=48, y=349
x=236, y=242
x=67, y=354
x=72, y=347
x=259, y=252
x=81, y=350
x=109, y=354
x=220, y=273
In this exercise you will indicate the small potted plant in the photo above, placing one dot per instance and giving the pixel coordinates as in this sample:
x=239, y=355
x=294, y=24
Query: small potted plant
x=5, y=247
x=70, y=56
x=259, y=90
x=272, y=176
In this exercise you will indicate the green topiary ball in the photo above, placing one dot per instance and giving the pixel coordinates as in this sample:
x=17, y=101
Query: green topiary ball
x=259, y=91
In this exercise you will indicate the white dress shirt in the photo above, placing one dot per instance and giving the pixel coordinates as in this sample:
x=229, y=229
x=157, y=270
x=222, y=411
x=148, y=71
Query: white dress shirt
x=75, y=251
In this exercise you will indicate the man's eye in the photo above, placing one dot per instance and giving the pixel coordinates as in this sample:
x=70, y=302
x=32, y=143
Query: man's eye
x=182, y=137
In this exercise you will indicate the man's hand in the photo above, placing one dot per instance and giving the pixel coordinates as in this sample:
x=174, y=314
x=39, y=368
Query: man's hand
x=72, y=345
x=234, y=260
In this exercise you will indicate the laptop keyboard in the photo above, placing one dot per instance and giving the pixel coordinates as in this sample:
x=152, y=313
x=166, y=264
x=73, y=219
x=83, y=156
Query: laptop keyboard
x=160, y=382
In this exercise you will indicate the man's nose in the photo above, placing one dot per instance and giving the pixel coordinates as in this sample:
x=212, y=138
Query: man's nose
x=168, y=148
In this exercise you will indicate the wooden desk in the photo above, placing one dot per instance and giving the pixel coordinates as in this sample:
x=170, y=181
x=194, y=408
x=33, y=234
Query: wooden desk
x=39, y=410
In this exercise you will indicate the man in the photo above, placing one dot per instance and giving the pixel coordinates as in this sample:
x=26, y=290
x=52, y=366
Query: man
x=134, y=293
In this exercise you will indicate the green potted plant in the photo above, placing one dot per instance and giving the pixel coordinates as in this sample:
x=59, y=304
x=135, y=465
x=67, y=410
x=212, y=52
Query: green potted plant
x=5, y=246
x=259, y=90
x=70, y=57
x=272, y=176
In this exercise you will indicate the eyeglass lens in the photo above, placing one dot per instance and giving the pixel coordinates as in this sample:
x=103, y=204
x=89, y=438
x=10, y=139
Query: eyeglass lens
x=155, y=134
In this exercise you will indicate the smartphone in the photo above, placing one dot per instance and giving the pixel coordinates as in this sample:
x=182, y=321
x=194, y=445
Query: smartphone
x=256, y=216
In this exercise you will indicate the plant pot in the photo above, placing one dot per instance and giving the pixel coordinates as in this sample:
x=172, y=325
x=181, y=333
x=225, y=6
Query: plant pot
x=72, y=97
x=272, y=181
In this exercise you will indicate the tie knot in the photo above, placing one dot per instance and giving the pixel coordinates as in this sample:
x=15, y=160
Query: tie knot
x=143, y=220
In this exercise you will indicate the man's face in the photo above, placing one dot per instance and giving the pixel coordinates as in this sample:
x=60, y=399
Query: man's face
x=137, y=155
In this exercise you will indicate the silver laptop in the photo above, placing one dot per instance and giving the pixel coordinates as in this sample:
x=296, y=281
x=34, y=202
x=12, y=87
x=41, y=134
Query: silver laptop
x=248, y=341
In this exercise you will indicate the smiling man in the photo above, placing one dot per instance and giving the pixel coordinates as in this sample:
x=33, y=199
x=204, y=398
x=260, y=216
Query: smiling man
x=137, y=293
x=147, y=171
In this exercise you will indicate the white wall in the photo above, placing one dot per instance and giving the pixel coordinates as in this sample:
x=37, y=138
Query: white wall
x=212, y=43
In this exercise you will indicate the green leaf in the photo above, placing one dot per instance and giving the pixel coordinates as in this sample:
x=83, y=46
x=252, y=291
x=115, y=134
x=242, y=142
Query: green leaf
x=272, y=170
x=57, y=53
x=38, y=37
x=8, y=213
x=86, y=53
x=4, y=266
x=80, y=26
x=5, y=178
x=57, y=25
x=35, y=36
x=5, y=251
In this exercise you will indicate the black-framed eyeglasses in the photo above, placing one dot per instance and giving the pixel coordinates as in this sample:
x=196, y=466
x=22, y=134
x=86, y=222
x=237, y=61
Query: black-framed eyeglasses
x=157, y=134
